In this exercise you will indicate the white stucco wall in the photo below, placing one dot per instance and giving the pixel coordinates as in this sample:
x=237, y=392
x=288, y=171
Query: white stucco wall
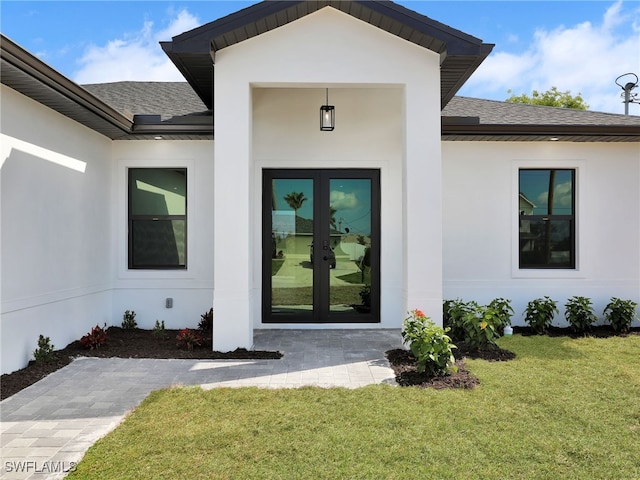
x=56, y=228
x=480, y=255
x=267, y=98
x=145, y=291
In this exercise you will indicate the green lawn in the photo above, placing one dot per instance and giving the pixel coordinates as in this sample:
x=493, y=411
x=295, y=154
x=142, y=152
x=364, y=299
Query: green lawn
x=563, y=409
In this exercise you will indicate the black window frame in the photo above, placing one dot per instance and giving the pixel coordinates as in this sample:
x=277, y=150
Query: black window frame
x=131, y=218
x=548, y=218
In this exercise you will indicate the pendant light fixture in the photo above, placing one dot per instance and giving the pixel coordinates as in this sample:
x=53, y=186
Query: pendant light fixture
x=327, y=116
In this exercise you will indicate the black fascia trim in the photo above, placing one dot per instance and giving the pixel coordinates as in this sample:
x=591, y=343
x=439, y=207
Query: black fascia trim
x=537, y=130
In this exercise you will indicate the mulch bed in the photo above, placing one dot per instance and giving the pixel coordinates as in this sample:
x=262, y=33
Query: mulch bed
x=138, y=343
x=133, y=343
x=404, y=366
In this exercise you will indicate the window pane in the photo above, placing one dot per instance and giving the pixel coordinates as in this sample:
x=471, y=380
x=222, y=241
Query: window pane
x=156, y=191
x=541, y=188
x=546, y=243
x=292, y=245
x=158, y=243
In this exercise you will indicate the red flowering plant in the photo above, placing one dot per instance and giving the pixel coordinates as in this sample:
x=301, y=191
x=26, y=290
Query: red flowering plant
x=188, y=338
x=429, y=343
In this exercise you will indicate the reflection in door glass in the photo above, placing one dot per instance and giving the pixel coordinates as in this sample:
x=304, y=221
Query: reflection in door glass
x=350, y=239
x=292, y=250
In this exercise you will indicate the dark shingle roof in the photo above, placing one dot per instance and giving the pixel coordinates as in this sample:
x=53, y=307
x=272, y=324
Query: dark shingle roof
x=492, y=112
x=464, y=118
x=167, y=99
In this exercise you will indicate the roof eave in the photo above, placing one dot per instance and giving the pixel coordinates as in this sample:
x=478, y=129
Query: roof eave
x=573, y=133
x=30, y=76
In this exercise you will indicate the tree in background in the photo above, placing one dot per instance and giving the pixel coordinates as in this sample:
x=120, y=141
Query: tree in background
x=550, y=98
x=295, y=200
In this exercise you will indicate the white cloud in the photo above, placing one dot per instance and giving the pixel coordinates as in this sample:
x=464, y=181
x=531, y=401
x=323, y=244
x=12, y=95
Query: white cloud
x=135, y=56
x=585, y=58
x=342, y=201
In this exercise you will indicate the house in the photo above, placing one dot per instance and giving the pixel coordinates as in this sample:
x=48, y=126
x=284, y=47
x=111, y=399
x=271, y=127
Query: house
x=167, y=198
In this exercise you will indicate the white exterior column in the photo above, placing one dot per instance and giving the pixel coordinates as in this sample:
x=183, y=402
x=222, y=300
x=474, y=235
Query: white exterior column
x=232, y=313
x=422, y=200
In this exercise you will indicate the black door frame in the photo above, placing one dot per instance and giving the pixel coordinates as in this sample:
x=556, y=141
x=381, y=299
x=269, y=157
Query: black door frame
x=320, y=313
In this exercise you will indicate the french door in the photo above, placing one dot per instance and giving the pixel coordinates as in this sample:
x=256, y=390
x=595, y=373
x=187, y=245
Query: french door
x=321, y=246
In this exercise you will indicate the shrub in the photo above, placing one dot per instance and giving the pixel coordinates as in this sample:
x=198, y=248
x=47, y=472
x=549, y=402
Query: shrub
x=129, y=320
x=579, y=314
x=365, y=295
x=44, y=352
x=453, y=314
x=504, y=311
x=476, y=325
x=620, y=314
x=481, y=326
x=158, y=330
x=206, y=321
x=188, y=338
x=429, y=344
x=95, y=338
x=539, y=314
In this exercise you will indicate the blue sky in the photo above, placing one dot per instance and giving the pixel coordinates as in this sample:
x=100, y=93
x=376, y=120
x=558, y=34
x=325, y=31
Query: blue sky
x=581, y=46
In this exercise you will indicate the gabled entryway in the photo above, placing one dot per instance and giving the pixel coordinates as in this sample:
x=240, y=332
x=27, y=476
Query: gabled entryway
x=321, y=246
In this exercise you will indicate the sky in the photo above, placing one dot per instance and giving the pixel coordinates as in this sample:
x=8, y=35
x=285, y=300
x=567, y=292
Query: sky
x=576, y=46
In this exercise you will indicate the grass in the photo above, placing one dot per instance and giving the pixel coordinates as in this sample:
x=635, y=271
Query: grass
x=342, y=294
x=563, y=409
x=276, y=265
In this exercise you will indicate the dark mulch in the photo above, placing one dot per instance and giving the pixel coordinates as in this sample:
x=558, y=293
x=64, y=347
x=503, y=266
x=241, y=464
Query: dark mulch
x=404, y=366
x=134, y=343
x=598, y=331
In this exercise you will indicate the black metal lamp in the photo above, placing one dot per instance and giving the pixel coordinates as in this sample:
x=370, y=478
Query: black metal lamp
x=327, y=116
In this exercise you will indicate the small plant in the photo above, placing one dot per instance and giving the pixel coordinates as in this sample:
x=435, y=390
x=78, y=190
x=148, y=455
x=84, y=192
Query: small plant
x=95, y=338
x=188, y=338
x=539, y=314
x=620, y=314
x=158, y=330
x=129, y=320
x=365, y=295
x=206, y=321
x=504, y=311
x=44, y=352
x=453, y=313
x=429, y=343
x=481, y=326
x=579, y=314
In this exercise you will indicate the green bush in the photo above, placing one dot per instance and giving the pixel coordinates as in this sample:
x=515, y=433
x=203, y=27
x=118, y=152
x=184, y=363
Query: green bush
x=579, y=314
x=504, y=311
x=129, y=320
x=158, y=330
x=539, y=314
x=206, y=321
x=429, y=343
x=620, y=314
x=44, y=352
x=453, y=314
x=476, y=325
x=481, y=327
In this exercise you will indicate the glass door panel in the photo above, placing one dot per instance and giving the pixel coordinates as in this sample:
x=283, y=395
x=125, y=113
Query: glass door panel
x=292, y=203
x=350, y=237
x=321, y=233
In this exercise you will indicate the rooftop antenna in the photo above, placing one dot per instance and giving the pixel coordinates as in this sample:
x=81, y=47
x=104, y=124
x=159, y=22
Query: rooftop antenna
x=628, y=96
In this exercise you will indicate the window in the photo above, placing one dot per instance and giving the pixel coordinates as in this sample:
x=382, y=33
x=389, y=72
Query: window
x=546, y=207
x=158, y=218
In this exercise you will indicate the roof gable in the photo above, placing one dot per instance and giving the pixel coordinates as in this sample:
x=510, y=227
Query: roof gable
x=193, y=52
